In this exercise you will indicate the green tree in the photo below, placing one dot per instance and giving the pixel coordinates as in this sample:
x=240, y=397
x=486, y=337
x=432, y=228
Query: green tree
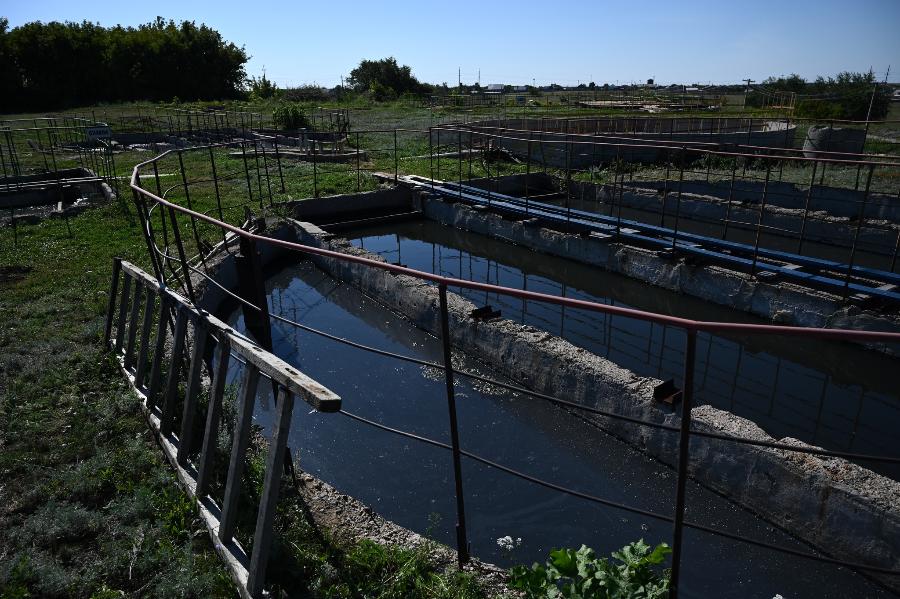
x=58, y=65
x=385, y=79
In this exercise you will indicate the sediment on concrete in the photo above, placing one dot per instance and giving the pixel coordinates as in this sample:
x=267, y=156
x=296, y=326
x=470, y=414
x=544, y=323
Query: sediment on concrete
x=779, y=302
x=837, y=506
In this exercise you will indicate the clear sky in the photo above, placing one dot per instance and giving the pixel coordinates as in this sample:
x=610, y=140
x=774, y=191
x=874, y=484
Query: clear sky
x=562, y=41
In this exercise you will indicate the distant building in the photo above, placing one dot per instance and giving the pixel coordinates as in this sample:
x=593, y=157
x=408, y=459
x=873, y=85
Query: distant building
x=495, y=87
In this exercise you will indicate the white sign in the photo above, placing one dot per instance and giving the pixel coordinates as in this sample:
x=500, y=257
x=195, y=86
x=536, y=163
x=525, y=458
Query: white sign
x=103, y=132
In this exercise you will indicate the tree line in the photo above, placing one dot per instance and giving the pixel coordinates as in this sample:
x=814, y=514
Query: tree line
x=46, y=66
x=846, y=96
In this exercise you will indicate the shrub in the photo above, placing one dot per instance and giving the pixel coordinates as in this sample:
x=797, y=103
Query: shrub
x=571, y=574
x=290, y=117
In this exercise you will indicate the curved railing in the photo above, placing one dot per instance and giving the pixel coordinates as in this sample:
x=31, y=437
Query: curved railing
x=173, y=265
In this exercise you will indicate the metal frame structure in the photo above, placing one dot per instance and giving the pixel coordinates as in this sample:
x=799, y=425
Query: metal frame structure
x=178, y=269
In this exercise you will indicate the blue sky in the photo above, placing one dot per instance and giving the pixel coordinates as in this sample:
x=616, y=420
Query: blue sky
x=565, y=41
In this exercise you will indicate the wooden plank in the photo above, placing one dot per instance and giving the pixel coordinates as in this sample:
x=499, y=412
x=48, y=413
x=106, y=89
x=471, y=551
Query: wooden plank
x=238, y=453
x=111, y=306
x=213, y=415
x=133, y=325
x=310, y=391
x=141, y=368
x=159, y=350
x=186, y=438
x=168, y=408
x=262, y=536
x=123, y=311
x=307, y=389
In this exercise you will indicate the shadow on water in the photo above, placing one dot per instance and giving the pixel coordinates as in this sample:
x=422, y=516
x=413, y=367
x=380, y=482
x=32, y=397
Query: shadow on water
x=412, y=483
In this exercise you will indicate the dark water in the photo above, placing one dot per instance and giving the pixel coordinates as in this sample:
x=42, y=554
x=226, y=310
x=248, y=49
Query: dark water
x=412, y=483
x=834, y=395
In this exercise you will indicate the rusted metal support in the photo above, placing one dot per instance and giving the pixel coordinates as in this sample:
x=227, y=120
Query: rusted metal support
x=462, y=543
x=859, y=225
x=252, y=287
x=684, y=440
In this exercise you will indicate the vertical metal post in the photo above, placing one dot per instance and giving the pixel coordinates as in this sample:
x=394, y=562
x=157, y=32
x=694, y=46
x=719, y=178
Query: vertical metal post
x=278, y=160
x=181, y=256
x=762, y=213
x=730, y=199
x=357, y=162
x=396, y=157
x=528, y=173
x=215, y=181
x=812, y=182
x=246, y=170
x=859, y=224
x=662, y=210
x=315, y=169
x=678, y=197
x=462, y=544
x=684, y=439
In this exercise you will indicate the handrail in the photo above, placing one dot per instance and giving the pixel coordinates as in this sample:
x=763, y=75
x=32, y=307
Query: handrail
x=688, y=324
x=692, y=327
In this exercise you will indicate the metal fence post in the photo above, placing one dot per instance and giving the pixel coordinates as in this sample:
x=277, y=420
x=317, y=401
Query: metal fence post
x=678, y=196
x=684, y=438
x=462, y=544
x=762, y=214
x=812, y=183
x=396, y=158
x=859, y=224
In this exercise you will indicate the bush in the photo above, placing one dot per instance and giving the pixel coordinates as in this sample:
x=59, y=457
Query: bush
x=579, y=574
x=290, y=117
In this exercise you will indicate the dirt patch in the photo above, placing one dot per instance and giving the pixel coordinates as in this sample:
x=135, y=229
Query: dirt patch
x=9, y=274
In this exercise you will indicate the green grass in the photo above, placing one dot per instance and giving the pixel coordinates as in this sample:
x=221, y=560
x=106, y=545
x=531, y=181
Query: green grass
x=88, y=506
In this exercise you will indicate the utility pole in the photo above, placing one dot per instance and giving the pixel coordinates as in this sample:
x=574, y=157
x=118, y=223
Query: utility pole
x=746, y=90
x=479, y=77
x=459, y=78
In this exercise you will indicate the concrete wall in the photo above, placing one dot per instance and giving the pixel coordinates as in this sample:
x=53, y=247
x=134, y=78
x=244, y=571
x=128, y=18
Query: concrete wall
x=779, y=302
x=336, y=208
x=599, y=139
x=832, y=200
x=843, y=509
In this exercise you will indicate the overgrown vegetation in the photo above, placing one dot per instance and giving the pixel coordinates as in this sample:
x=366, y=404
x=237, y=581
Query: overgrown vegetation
x=60, y=65
x=290, y=116
x=579, y=574
x=846, y=96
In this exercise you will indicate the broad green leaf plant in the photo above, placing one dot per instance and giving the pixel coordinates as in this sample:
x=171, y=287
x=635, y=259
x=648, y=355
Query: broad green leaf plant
x=571, y=574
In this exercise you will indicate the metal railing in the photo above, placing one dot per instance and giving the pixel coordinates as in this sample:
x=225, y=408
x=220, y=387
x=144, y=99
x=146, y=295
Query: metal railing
x=173, y=265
